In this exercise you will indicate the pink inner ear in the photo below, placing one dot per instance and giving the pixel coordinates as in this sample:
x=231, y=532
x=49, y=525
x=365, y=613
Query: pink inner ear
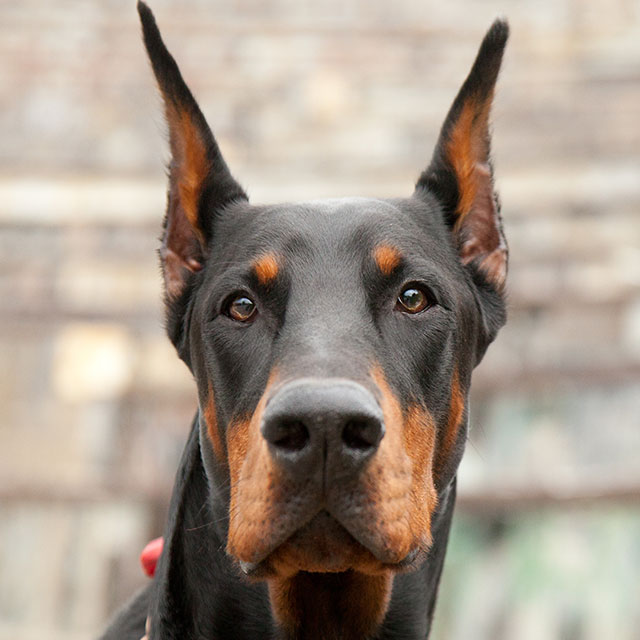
x=478, y=229
x=174, y=267
x=193, y=264
x=477, y=226
x=183, y=243
x=181, y=250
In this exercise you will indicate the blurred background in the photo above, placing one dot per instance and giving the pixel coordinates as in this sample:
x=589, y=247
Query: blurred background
x=312, y=99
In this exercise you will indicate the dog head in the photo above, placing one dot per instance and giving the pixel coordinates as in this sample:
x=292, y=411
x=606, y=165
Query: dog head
x=332, y=341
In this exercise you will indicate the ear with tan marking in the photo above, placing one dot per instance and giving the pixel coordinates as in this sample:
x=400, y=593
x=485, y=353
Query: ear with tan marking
x=199, y=180
x=461, y=175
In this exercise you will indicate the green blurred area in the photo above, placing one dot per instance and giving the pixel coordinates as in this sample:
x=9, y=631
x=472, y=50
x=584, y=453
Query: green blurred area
x=567, y=574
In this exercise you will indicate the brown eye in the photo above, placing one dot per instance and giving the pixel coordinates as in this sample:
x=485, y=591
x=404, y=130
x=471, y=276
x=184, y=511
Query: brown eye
x=414, y=299
x=240, y=308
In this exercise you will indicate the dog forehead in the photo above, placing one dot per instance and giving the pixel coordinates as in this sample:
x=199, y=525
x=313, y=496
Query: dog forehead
x=356, y=224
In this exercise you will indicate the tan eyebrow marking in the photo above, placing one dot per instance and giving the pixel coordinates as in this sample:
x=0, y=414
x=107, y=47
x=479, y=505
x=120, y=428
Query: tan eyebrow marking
x=266, y=268
x=387, y=258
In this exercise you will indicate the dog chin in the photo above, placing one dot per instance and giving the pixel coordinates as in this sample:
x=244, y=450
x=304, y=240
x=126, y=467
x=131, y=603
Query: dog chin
x=323, y=545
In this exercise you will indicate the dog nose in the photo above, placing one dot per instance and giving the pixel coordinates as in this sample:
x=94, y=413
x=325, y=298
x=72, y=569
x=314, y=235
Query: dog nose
x=312, y=419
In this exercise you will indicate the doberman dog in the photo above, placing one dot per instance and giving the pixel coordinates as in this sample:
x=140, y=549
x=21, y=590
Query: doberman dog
x=332, y=343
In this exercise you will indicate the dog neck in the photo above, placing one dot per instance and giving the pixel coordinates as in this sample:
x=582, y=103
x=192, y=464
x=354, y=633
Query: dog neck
x=199, y=592
x=340, y=606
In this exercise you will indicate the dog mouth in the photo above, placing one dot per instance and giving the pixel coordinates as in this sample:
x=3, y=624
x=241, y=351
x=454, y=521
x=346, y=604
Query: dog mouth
x=333, y=505
x=324, y=545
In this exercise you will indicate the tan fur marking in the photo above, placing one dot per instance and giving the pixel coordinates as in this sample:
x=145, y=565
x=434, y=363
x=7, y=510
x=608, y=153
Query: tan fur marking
x=253, y=483
x=454, y=422
x=211, y=421
x=467, y=152
x=190, y=164
x=323, y=546
x=387, y=258
x=477, y=223
x=405, y=496
x=420, y=441
x=349, y=606
x=266, y=268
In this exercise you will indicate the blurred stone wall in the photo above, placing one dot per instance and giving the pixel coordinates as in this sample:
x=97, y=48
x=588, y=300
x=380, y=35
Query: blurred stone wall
x=312, y=99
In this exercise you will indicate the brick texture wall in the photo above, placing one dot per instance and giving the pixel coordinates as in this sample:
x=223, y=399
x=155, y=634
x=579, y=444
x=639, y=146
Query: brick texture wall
x=312, y=99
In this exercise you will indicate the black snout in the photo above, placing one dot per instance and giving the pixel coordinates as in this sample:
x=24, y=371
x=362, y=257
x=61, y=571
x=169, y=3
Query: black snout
x=312, y=420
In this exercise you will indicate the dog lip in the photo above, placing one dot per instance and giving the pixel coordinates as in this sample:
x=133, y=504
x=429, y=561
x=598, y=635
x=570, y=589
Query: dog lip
x=260, y=568
x=408, y=563
x=387, y=561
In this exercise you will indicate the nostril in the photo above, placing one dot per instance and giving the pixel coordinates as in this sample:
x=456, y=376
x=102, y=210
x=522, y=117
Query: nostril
x=310, y=421
x=362, y=435
x=292, y=436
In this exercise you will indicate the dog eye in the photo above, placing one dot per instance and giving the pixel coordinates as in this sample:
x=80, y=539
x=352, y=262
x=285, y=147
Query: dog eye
x=414, y=298
x=240, y=308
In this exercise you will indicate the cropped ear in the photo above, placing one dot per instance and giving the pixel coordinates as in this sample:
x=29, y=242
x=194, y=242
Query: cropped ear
x=199, y=180
x=461, y=174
